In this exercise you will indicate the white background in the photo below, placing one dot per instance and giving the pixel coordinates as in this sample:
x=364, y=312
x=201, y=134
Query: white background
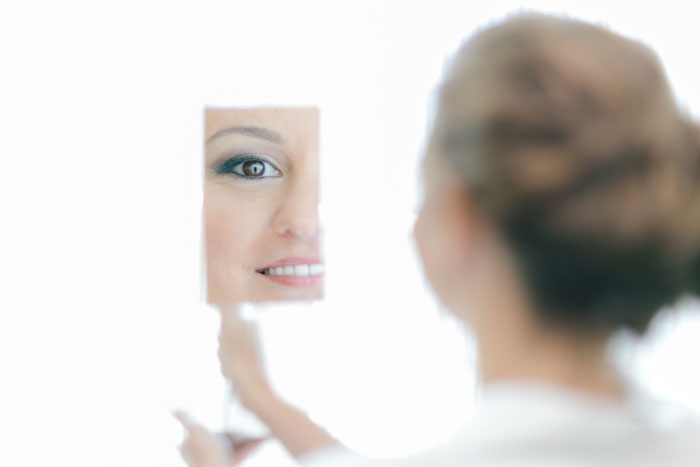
x=101, y=117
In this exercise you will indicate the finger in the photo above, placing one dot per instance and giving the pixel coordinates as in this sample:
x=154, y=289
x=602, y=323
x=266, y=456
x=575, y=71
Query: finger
x=236, y=335
x=183, y=418
x=185, y=447
x=200, y=447
x=242, y=446
x=195, y=435
x=229, y=315
x=186, y=451
x=237, y=320
x=243, y=450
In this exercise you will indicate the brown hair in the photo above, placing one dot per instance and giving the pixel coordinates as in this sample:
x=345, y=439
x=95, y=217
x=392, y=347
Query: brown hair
x=570, y=141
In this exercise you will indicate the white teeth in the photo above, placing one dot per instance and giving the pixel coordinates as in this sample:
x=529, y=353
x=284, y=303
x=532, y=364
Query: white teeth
x=298, y=270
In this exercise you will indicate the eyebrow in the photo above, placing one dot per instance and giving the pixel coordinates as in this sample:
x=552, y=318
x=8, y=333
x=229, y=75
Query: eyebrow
x=254, y=131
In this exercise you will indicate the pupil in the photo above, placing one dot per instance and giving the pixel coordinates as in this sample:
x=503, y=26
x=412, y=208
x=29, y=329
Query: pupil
x=253, y=168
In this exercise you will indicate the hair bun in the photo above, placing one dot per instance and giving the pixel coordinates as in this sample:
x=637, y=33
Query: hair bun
x=569, y=138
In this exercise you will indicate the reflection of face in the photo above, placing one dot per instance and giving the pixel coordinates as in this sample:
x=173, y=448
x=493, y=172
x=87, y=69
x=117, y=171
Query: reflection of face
x=260, y=205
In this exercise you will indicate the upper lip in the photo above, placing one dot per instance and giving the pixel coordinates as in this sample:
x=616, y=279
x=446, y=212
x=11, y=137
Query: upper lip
x=293, y=261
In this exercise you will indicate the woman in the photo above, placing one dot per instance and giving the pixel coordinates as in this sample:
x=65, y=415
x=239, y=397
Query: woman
x=562, y=205
x=260, y=205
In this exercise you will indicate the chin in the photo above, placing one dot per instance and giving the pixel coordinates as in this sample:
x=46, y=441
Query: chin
x=313, y=293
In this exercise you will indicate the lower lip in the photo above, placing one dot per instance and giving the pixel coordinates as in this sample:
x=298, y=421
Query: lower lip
x=296, y=281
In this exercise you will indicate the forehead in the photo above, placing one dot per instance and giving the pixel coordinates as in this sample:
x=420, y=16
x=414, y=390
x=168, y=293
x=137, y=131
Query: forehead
x=292, y=124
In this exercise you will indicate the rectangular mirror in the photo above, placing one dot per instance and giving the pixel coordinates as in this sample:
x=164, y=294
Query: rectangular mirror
x=261, y=194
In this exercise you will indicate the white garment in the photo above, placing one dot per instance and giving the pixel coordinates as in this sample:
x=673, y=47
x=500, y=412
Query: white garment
x=526, y=424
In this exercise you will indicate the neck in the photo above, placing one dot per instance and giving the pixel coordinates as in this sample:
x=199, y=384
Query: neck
x=513, y=347
x=550, y=357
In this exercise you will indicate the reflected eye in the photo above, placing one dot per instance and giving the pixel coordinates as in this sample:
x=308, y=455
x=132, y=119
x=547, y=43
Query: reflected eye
x=249, y=166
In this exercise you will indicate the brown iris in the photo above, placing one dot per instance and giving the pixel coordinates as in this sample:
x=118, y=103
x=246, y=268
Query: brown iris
x=253, y=168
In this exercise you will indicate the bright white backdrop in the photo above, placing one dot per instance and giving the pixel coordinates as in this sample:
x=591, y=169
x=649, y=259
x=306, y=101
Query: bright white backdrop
x=101, y=117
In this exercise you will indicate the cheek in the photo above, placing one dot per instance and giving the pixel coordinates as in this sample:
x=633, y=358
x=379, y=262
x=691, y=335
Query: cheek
x=440, y=261
x=232, y=229
x=430, y=244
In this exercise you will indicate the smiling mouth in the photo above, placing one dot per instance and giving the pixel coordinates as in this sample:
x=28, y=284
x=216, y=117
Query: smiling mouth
x=299, y=270
x=295, y=272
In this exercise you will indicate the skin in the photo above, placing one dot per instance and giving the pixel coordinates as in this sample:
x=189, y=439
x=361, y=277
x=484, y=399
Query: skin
x=474, y=276
x=250, y=223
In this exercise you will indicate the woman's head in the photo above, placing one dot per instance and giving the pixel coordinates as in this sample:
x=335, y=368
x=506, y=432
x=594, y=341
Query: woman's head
x=260, y=204
x=563, y=141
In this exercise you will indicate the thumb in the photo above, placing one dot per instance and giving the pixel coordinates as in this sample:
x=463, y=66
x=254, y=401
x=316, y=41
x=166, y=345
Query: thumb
x=200, y=447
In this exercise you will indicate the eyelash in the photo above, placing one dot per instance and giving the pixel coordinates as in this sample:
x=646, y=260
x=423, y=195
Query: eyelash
x=229, y=167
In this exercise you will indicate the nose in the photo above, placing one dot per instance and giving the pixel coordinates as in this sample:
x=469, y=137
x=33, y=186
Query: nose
x=297, y=215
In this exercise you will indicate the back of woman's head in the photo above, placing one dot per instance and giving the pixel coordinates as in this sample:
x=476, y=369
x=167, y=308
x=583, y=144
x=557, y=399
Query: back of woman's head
x=570, y=142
